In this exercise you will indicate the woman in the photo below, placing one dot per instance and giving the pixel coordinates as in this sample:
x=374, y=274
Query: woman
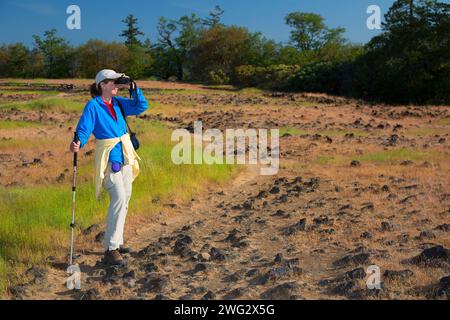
x=116, y=163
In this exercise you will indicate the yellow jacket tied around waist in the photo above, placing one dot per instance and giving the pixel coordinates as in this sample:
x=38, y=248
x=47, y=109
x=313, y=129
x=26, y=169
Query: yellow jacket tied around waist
x=102, y=149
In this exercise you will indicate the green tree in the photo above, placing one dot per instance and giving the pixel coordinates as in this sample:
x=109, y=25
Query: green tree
x=214, y=18
x=410, y=60
x=58, y=54
x=222, y=48
x=14, y=60
x=176, y=39
x=132, y=31
x=140, y=60
x=310, y=32
x=36, y=64
x=167, y=50
x=189, y=28
x=95, y=55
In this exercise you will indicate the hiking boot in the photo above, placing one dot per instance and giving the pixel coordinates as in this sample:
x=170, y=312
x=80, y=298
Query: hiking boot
x=113, y=258
x=124, y=250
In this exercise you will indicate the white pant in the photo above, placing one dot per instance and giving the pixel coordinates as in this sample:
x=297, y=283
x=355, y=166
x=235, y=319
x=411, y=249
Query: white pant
x=118, y=186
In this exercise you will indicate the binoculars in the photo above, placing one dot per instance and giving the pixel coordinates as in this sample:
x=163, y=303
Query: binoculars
x=123, y=80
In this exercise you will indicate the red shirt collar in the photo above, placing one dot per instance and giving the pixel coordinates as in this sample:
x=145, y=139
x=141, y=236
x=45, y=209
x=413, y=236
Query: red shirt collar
x=110, y=108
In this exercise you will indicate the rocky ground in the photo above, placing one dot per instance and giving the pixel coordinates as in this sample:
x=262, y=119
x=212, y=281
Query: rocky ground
x=345, y=198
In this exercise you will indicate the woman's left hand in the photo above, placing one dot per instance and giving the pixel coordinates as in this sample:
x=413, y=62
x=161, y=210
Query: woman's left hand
x=132, y=86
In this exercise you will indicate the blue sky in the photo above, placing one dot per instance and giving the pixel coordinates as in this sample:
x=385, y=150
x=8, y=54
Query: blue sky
x=20, y=19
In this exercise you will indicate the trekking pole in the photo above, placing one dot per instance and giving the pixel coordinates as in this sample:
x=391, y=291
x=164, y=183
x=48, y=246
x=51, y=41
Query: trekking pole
x=72, y=224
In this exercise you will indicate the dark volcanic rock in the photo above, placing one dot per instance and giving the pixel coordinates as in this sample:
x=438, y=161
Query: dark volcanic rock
x=235, y=277
x=398, y=274
x=90, y=294
x=113, y=274
x=130, y=275
x=299, y=226
x=280, y=213
x=322, y=220
x=160, y=296
x=199, y=267
x=150, y=267
x=344, y=288
x=437, y=256
x=355, y=163
x=283, y=268
x=275, y=190
x=312, y=184
x=443, y=227
x=91, y=229
x=198, y=290
x=281, y=292
x=366, y=235
x=259, y=280
x=209, y=296
x=19, y=291
x=100, y=236
x=182, y=246
x=392, y=141
x=216, y=254
x=386, y=226
x=236, y=293
x=115, y=291
x=354, y=274
x=252, y=272
x=38, y=274
x=278, y=257
x=357, y=259
x=426, y=234
x=443, y=289
x=156, y=283
x=236, y=238
x=248, y=205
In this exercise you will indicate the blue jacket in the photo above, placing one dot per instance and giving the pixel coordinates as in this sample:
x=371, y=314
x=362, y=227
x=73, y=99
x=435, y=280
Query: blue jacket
x=97, y=119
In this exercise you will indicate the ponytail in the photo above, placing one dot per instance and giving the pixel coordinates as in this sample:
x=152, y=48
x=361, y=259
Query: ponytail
x=95, y=90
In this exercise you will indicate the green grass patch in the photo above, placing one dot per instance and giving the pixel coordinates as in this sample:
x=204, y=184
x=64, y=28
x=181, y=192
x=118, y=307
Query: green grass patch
x=305, y=104
x=292, y=131
x=251, y=90
x=399, y=155
x=330, y=133
x=341, y=133
x=21, y=82
x=424, y=132
x=174, y=91
x=386, y=156
x=226, y=87
x=445, y=121
x=14, y=143
x=53, y=104
x=336, y=160
x=19, y=124
x=34, y=226
x=28, y=92
x=207, y=90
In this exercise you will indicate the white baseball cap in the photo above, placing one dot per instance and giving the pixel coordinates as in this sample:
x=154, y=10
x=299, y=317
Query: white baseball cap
x=107, y=74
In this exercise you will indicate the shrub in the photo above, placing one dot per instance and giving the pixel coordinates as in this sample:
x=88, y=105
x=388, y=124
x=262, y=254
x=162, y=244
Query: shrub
x=218, y=77
x=271, y=77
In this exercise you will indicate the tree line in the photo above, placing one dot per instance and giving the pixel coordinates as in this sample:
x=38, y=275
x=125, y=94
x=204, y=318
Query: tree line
x=409, y=62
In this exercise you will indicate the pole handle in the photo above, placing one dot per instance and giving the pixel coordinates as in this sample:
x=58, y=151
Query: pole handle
x=75, y=139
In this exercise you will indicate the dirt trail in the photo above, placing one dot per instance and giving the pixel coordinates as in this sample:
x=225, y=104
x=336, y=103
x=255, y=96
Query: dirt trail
x=222, y=245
